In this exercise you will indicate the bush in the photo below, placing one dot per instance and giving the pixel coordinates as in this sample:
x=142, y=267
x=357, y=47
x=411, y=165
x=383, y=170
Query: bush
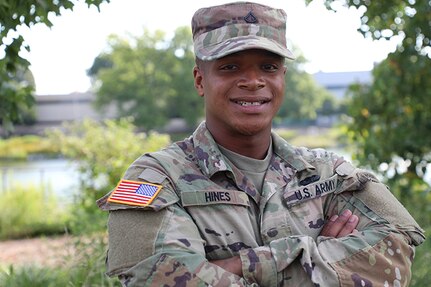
x=25, y=146
x=320, y=138
x=28, y=212
x=103, y=152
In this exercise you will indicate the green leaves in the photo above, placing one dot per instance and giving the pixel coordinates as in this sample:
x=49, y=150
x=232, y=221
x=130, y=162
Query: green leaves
x=409, y=19
x=103, y=151
x=16, y=94
x=149, y=78
x=392, y=117
x=303, y=97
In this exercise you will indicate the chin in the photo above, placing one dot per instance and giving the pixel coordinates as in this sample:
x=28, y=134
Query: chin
x=250, y=129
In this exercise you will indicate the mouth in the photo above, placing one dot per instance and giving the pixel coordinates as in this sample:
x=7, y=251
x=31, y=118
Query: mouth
x=250, y=104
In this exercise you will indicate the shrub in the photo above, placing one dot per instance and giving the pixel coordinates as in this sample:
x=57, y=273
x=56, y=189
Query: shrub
x=24, y=146
x=103, y=152
x=28, y=211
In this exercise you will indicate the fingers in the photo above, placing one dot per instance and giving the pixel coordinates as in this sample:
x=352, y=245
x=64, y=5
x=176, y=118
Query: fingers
x=339, y=226
x=349, y=225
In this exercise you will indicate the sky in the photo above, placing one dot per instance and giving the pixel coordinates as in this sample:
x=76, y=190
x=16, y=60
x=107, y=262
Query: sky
x=61, y=55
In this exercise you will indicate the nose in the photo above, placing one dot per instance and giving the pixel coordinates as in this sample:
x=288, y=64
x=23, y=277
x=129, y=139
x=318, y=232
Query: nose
x=251, y=80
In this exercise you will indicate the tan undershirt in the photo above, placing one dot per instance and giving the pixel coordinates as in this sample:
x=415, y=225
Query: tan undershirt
x=254, y=169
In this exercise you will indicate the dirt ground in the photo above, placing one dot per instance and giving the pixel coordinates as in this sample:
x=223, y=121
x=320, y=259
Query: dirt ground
x=49, y=251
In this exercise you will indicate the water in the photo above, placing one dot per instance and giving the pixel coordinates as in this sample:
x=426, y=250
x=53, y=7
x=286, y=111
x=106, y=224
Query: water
x=57, y=175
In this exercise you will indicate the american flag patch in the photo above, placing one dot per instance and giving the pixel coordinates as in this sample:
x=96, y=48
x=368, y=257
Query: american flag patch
x=134, y=193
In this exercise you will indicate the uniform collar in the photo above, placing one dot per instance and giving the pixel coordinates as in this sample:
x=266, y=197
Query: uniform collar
x=289, y=154
x=208, y=155
x=211, y=161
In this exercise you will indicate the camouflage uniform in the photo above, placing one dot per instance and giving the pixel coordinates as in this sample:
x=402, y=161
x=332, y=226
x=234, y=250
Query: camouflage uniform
x=209, y=210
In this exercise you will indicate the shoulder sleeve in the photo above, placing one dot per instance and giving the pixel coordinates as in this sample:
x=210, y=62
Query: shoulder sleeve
x=144, y=171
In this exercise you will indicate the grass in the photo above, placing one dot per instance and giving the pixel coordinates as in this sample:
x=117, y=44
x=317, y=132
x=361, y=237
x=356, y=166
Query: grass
x=29, y=212
x=85, y=268
x=24, y=146
x=312, y=137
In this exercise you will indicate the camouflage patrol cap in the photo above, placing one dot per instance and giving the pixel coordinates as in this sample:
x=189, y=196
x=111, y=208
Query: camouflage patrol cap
x=225, y=29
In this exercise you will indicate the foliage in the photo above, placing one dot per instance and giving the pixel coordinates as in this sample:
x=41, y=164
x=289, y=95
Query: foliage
x=149, y=78
x=390, y=124
x=15, y=97
x=312, y=138
x=85, y=268
x=103, y=152
x=392, y=117
x=32, y=276
x=304, y=99
x=409, y=19
x=16, y=91
x=25, y=146
x=420, y=268
x=28, y=211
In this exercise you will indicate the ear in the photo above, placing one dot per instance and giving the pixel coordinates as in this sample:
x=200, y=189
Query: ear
x=198, y=76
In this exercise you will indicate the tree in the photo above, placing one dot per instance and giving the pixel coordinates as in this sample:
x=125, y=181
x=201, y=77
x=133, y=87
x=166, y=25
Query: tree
x=391, y=117
x=390, y=124
x=303, y=97
x=148, y=78
x=16, y=94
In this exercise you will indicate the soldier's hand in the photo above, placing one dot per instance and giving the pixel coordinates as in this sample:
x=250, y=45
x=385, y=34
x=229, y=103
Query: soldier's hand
x=233, y=264
x=340, y=225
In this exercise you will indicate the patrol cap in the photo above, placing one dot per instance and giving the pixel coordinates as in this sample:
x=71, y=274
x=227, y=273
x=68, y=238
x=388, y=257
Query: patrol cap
x=225, y=29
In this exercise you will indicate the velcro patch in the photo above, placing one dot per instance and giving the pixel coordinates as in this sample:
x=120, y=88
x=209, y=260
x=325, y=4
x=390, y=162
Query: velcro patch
x=317, y=189
x=134, y=193
x=207, y=197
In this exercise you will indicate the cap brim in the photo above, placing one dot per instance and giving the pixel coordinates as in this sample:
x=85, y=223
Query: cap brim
x=242, y=43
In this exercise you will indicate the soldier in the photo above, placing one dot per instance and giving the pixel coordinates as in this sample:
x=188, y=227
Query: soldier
x=236, y=205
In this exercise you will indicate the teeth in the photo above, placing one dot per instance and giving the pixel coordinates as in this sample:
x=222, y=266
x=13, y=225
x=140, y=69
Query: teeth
x=245, y=104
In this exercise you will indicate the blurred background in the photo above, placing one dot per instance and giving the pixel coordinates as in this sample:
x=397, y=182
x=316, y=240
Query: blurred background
x=88, y=86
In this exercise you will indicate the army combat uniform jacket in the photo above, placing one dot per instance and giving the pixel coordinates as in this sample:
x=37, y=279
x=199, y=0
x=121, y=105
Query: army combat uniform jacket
x=207, y=209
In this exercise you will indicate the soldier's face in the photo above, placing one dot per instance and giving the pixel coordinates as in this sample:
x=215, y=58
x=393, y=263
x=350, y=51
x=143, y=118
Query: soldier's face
x=242, y=91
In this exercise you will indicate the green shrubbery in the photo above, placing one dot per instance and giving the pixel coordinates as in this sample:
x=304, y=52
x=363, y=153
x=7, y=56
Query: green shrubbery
x=28, y=212
x=103, y=151
x=321, y=138
x=24, y=146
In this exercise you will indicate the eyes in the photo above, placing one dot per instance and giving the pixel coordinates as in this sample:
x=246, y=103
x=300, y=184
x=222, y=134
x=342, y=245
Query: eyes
x=267, y=67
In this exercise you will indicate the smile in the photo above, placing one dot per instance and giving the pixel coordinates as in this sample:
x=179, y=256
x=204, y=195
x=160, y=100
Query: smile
x=247, y=104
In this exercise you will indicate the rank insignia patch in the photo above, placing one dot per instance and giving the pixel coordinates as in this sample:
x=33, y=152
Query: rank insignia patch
x=134, y=193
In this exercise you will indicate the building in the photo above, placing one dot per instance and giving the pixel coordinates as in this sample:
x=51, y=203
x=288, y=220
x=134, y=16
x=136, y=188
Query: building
x=337, y=83
x=53, y=110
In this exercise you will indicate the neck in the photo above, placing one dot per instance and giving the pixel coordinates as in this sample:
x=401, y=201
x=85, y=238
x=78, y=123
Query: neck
x=254, y=146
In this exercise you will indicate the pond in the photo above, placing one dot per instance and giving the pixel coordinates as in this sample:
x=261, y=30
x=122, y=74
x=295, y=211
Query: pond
x=59, y=176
